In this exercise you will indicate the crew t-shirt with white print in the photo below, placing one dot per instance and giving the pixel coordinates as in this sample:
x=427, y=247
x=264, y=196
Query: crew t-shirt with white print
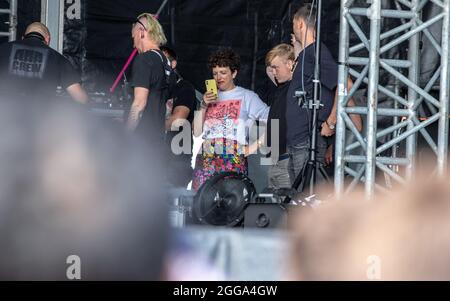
x=232, y=116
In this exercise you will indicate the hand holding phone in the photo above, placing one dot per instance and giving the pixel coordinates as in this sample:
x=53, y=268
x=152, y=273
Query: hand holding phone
x=211, y=86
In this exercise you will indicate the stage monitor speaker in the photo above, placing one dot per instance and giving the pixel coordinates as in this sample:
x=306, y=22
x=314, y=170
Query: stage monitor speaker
x=265, y=216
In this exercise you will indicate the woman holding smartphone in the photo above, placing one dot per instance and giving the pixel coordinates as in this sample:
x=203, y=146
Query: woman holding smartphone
x=225, y=120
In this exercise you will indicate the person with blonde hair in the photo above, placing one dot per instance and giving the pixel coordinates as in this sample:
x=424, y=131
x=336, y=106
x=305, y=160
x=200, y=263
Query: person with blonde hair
x=280, y=63
x=283, y=52
x=149, y=31
x=152, y=77
x=31, y=71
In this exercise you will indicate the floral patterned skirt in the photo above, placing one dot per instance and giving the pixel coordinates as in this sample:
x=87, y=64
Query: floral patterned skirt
x=218, y=156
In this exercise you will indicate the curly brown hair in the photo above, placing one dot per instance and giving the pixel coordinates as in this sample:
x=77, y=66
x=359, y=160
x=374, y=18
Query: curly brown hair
x=225, y=58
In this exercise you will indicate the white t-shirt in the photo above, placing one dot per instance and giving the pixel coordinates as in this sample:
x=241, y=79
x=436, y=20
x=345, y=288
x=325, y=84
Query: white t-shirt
x=233, y=114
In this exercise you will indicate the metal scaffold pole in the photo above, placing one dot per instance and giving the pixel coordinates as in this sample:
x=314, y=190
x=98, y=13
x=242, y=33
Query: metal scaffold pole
x=390, y=150
x=12, y=20
x=414, y=58
x=372, y=100
x=444, y=97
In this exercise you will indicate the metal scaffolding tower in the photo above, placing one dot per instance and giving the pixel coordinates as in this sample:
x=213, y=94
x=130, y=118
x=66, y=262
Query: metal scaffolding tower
x=12, y=23
x=412, y=30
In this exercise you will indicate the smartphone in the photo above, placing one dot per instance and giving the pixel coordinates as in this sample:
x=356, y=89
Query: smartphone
x=211, y=86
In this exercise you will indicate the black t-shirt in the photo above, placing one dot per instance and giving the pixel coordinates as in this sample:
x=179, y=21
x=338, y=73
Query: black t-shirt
x=278, y=112
x=29, y=68
x=298, y=118
x=269, y=92
x=149, y=72
x=183, y=95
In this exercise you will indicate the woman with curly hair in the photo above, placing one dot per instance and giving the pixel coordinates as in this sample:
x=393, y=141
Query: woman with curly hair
x=225, y=120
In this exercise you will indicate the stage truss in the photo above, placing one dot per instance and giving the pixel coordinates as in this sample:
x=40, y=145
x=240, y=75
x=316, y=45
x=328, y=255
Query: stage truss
x=364, y=159
x=11, y=11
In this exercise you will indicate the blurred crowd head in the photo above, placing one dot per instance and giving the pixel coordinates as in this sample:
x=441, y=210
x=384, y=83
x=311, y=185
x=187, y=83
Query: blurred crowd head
x=72, y=184
x=403, y=235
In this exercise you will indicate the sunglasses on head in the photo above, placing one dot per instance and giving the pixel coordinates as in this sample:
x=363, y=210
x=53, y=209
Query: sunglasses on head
x=139, y=22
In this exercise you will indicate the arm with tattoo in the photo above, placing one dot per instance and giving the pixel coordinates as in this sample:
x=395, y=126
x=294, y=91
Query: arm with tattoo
x=138, y=106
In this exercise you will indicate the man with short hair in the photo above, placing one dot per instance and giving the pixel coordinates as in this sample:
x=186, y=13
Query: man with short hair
x=298, y=117
x=30, y=69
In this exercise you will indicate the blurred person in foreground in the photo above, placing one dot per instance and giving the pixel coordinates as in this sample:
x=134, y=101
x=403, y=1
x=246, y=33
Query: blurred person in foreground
x=401, y=236
x=31, y=71
x=71, y=185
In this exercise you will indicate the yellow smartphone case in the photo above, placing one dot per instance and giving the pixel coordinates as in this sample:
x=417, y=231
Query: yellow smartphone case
x=211, y=86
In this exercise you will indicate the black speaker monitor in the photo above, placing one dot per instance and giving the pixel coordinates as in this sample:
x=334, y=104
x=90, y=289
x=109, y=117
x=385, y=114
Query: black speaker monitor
x=265, y=216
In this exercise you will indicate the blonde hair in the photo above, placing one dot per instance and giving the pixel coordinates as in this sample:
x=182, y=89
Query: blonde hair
x=39, y=28
x=283, y=50
x=154, y=29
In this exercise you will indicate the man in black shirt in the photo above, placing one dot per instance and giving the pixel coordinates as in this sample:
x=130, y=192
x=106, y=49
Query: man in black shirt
x=298, y=117
x=179, y=117
x=151, y=79
x=30, y=69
